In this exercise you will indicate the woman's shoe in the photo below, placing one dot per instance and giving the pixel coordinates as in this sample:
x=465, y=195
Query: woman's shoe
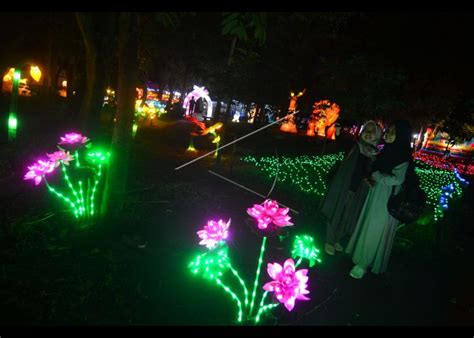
x=329, y=249
x=339, y=247
x=357, y=272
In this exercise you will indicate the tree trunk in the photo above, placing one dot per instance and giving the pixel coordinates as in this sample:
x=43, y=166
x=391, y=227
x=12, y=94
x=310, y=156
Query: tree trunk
x=115, y=187
x=95, y=70
x=232, y=48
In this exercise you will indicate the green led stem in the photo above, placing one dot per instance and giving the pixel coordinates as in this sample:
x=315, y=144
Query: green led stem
x=63, y=167
x=88, y=193
x=257, y=318
x=61, y=196
x=263, y=309
x=232, y=294
x=76, y=157
x=81, y=194
x=99, y=175
x=298, y=262
x=257, y=275
x=241, y=281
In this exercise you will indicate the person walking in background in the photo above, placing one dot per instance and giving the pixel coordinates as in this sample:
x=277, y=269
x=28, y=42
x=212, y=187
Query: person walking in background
x=192, y=106
x=371, y=243
x=347, y=191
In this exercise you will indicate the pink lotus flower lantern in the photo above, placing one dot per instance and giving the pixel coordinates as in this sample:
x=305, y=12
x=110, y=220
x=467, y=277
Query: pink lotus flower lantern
x=269, y=212
x=60, y=156
x=288, y=284
x=73, y=138
x=213, y=233
x=38, y=170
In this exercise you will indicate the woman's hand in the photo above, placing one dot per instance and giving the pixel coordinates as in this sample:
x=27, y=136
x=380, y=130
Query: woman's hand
x=369, y=180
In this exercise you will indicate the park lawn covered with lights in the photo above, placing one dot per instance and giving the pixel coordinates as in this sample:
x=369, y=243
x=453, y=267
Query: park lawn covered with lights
x=136, y=270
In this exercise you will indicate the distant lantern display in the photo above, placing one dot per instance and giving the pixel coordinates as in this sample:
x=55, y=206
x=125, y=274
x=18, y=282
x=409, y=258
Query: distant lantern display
x=325, y=115
x=289, y=125
x=196, y=94
x=35, y=73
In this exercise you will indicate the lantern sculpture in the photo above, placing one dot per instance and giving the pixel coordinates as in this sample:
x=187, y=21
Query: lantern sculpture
x=289, y=124
x=325, y=115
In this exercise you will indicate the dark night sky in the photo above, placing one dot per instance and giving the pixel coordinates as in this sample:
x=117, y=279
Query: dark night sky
x=432, y=43
x=427, y=42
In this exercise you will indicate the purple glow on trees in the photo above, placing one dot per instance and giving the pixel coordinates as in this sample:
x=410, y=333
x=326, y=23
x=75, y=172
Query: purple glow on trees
x=288, y=284
x=213, y=233
x=270, y=212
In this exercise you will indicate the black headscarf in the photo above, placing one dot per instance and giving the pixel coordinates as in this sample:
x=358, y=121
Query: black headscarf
x=397, y=152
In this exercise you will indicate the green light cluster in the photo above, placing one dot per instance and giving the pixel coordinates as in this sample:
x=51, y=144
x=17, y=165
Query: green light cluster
x=83, y=191
x=97, y=157
x=303, y=247
x=211, y=264
x=308, y=173
x=432, y=180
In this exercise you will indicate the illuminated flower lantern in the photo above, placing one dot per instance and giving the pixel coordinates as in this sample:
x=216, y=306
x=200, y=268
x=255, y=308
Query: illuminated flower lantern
x=269, y=212
x=288, y=284
x=197, y=93
x=84, y=182
x=38, y=170
x=325, y=115
x=73, y=139
x=289, y=124
x=59, y=157
x=214, y=233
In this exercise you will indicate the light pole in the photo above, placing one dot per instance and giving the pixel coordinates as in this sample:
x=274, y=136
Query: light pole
x=12, y=118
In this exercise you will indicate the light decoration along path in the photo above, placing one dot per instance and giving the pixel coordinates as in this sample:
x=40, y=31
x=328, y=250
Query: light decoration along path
x=440, y=185
x=215, y=265
x=307, y=173
x=82, y=168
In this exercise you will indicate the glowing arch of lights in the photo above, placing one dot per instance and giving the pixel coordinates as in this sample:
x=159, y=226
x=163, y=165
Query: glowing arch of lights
x=197, y=93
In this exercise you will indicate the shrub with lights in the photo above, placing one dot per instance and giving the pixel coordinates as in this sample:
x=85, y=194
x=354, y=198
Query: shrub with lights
x=284, y=282
x=440, y=186
x=82, y=167
x=437, y=161
x=309, y=174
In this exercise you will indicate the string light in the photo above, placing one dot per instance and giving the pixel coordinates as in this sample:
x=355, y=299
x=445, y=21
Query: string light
x=440, y=186
x=308, y=173
x=439, y=162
